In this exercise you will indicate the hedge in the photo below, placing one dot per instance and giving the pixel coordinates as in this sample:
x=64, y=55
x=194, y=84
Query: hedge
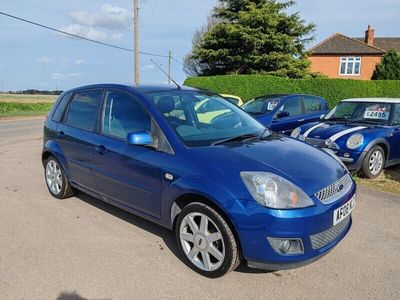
x=334, y=90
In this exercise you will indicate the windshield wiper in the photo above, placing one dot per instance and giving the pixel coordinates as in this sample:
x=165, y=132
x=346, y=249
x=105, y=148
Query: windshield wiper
x=243, y=137
x=338, y=119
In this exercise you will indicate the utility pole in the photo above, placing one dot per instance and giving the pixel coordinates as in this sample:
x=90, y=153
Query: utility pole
x=169, y=66
x=136, y=40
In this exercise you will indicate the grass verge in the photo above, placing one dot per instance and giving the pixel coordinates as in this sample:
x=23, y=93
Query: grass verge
x=11, y=109
x=388, y=181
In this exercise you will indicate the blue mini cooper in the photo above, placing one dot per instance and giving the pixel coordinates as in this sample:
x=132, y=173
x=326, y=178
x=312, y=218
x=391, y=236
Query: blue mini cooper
x=363, y=133
x=283, y=113
x=228, y=187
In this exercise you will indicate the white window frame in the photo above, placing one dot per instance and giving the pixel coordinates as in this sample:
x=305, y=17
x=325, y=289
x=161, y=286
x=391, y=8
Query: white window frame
x=347, y=60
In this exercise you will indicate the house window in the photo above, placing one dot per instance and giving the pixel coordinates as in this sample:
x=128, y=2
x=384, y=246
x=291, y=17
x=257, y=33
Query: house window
x=350, y=66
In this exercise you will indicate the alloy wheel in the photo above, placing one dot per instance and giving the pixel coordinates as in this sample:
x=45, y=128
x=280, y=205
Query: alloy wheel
x=54, y=177
x=202, y=241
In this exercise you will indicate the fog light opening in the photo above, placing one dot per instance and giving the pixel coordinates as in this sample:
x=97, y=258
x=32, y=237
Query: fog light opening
x=287, y=246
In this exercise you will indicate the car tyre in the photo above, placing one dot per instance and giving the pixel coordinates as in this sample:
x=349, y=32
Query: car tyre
x=56, y=179
x=206, y=241
x=374, y=162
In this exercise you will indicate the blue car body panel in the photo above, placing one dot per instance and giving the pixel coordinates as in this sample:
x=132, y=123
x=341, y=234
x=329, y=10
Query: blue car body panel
x=133, y=178
x=287, y=124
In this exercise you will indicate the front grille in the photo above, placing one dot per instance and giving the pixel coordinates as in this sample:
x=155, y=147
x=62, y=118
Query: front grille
x=322, y=239
x=336, y=190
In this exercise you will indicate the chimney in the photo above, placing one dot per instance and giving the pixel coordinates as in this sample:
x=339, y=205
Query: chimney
x=369, y=36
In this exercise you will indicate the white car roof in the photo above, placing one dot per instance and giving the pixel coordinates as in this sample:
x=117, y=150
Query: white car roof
x=384, y=100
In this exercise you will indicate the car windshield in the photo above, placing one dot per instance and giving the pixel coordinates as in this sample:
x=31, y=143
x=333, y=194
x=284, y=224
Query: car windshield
x=262, y=105
x=361, y=112
x=202, y=119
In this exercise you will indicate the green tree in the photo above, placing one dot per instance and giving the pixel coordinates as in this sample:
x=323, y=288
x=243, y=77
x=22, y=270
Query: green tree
x=389, y=67
x=254, y=36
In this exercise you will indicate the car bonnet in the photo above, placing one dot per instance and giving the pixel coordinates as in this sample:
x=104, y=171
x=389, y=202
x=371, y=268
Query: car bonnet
x=309, y=168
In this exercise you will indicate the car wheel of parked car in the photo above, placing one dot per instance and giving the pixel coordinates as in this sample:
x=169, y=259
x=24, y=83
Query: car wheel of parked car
x=374, y=162
x=206, y=241
x=56, y=179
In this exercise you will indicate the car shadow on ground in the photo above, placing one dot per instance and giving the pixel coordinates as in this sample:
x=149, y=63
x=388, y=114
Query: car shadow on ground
x=166, y=235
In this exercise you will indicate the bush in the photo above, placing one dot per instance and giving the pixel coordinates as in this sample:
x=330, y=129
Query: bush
x=333, y=90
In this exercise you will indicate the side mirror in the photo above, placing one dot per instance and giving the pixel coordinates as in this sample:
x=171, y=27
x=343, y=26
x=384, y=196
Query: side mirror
x=282, y=114
x=140, y=138
x=322, y=116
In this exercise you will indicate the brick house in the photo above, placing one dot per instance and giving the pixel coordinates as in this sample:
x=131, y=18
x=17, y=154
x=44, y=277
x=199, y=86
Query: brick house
x=340, y=56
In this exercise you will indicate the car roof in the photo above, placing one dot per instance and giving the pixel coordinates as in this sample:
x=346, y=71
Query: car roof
x=144, y=88
x=384, y=100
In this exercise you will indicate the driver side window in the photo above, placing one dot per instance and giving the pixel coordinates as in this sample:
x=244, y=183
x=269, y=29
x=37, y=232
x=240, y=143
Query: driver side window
x=122, y=114
x=293, y=106
x=396, y=118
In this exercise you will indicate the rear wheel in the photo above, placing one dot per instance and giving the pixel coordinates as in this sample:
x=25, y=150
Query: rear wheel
x=206, y=241
x=56, y=179
x=374, y=162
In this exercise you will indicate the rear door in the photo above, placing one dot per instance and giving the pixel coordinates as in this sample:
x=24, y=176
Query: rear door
x=75, y=135
x=294, y=107
x=313, y=108
x=127, y=174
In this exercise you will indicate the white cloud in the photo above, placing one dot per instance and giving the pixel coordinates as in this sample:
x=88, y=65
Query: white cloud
x=80, y=62
x=57, y=75
x=84, y=31
x=148, y=67
x=45, y=60
x=110, y=17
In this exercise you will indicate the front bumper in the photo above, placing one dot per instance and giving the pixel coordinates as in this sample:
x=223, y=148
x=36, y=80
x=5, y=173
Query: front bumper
x=313, y=225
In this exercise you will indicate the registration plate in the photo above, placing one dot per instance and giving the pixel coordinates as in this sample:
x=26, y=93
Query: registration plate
x=345, y=210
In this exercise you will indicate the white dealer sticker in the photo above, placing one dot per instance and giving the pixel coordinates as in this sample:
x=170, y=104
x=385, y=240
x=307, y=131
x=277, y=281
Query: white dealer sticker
x=377, y=113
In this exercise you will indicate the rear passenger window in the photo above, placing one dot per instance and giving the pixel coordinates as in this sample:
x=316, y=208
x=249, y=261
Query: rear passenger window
x=59, y=111
x=122, y=114
x=83, y=109
x=312, y=104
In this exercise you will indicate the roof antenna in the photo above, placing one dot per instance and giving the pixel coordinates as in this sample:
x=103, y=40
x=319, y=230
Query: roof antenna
x=165, y=73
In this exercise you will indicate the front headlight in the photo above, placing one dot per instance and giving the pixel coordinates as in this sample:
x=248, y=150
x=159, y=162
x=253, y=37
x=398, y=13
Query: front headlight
x=273, y=191
x=355, y=141
x=295, y=133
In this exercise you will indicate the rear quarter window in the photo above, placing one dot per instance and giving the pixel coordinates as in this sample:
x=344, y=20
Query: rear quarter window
x=59, y=110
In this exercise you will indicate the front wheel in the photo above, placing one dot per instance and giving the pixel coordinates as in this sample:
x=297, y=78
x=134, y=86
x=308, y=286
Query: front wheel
x=206, y=241
x=374, y=162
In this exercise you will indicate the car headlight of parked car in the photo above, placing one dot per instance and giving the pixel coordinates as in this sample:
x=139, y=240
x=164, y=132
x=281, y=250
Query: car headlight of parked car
x=355, y=141
x=295, y=133
x=273, y=191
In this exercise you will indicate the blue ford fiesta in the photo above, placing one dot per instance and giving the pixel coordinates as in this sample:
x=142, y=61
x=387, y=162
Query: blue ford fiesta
x=283, y=113
x=363, y=133
x=228, y=187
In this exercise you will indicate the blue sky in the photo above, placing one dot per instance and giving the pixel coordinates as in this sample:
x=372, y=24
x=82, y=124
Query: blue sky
x=32, y=57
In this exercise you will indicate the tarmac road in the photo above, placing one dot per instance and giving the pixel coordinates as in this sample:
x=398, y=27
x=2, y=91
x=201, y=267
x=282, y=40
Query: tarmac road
x=82, y=248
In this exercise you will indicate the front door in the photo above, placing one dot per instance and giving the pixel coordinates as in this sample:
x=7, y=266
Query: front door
x=294, y=108
x=394, y=139
x=128, y=174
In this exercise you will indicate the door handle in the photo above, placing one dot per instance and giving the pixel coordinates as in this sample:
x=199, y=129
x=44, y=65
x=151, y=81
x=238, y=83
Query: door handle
x=301, y=120
x=101, y=149
x=61, y=135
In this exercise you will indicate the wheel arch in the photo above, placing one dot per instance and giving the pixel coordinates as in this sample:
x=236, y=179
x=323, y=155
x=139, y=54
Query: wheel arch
x=192, y=197
x=382, y=143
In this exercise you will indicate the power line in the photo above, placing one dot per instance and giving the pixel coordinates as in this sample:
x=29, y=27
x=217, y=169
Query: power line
x=80, y=37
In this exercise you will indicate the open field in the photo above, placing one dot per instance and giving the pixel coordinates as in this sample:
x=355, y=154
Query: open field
x=23, y=98
x=22, y=105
